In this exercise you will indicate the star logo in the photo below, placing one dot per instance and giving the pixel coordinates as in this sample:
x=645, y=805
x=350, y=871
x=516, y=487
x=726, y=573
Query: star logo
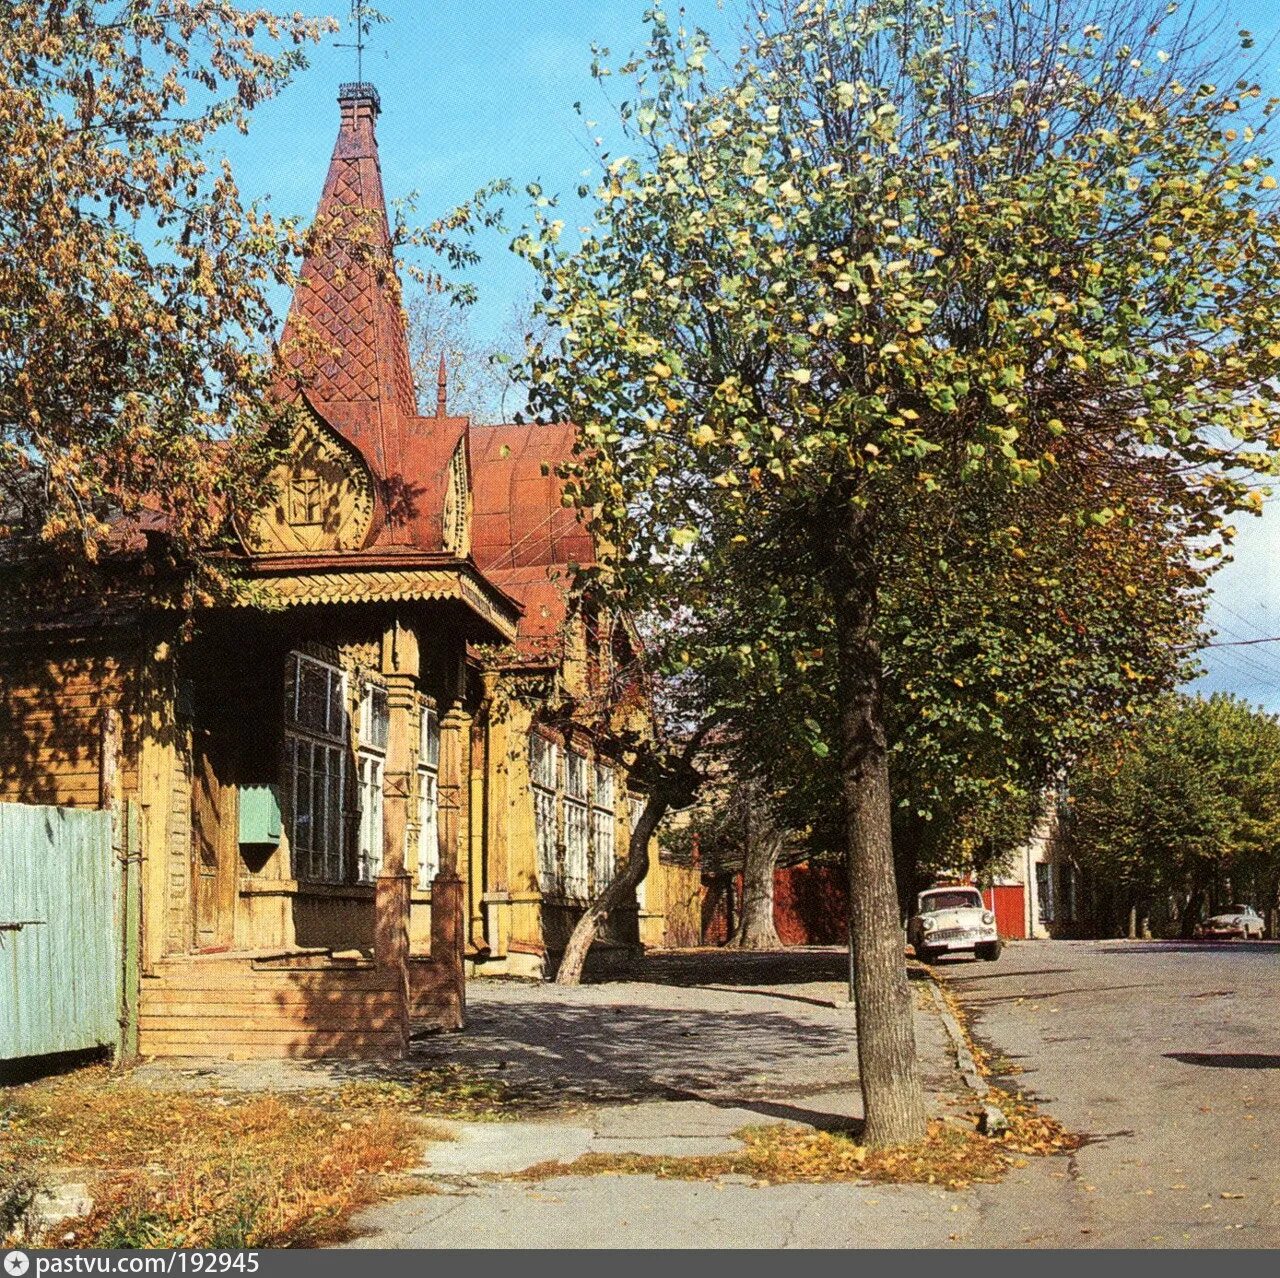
x=16, y=1263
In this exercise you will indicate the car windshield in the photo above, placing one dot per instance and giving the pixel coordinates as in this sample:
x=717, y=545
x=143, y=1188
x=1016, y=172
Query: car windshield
x=1235, y=909
x=960, y=899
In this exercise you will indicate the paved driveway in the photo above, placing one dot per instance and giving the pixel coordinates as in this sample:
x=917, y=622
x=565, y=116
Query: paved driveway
x=1167, y=1054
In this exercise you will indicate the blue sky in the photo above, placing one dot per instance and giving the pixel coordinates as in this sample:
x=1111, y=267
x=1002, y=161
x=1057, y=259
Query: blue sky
x=474, y=90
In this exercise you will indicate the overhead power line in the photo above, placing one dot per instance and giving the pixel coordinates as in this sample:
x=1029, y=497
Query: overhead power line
x=1243, y=643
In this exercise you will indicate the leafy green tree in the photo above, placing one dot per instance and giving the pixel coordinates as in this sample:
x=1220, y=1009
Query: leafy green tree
x=905, y=254
x=1182, y=807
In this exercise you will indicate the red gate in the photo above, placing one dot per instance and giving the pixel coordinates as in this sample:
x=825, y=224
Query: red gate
x=1007, y=901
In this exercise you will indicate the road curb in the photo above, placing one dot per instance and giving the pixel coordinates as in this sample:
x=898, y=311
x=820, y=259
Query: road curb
x=967, y=1066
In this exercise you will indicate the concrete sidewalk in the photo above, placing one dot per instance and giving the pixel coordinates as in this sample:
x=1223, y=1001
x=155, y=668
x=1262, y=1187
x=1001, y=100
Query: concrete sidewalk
x=677, y=1068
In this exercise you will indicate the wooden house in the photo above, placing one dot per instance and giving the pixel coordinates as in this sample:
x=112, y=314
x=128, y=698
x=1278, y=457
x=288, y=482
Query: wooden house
x=569, y=718
x=399, y=754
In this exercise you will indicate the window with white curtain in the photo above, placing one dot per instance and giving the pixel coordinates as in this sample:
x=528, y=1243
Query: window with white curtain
x=576, y=824
x=429, y=798
x=315, y=741
x=543, y=772
x=375, y=723
x=603, y=823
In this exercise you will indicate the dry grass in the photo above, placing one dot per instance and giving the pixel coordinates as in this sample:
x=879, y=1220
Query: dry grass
x=438, y=1091
x=953, y=1156
x=209, y=1168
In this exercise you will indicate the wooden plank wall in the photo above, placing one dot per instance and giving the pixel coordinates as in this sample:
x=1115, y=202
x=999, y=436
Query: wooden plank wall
x=51, y=708
x=245, y=1009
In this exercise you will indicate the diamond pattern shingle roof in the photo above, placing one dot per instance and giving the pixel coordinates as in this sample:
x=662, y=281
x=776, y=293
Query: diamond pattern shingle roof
x=345, y=334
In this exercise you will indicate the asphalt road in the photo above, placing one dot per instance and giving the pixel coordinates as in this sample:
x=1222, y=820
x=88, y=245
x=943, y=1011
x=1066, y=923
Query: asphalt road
x=1167, y=1056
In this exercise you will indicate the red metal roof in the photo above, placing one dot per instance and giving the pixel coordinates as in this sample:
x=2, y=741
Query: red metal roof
x=417, y=495
x=523, y=537
x=543, y=593
x=346, y=333
x=519, y=519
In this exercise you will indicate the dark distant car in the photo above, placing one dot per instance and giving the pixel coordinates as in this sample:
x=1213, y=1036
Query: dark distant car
x=952, y=920
x=1241, y=921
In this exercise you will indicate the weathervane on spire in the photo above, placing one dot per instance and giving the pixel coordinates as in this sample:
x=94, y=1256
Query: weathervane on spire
x=363, y=16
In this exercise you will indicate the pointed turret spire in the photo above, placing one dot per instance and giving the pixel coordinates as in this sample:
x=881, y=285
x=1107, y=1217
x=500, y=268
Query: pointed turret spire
x=442, y=389
x=346, y=332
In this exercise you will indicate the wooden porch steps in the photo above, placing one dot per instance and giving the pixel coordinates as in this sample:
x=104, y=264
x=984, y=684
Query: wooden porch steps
x=243, y=1006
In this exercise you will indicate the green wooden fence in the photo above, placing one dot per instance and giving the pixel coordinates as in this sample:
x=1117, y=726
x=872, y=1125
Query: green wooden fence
x=62, y=906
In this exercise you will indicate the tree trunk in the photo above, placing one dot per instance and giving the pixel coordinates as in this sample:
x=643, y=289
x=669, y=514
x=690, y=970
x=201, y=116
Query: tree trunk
x=621, y=891
x=1191, y=915
x=756, y=930
x=892, y=1096
x=675, y=788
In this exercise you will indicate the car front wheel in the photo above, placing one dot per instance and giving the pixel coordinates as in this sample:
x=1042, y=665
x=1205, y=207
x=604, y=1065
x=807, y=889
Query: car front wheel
x=926, y=954
x=988, y=952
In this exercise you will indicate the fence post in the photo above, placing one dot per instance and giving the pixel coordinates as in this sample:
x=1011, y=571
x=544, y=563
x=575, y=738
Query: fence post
x=130, y=986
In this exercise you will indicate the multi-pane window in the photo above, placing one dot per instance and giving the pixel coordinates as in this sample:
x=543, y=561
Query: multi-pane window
x=603, y=823
x=429, y=799
x=315, y=743
x=543, y=766
x=375, y=723
x=575, y=824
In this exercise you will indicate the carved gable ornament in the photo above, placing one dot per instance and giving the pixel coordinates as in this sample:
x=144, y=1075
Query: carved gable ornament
x=457, y=505
x=322, y=495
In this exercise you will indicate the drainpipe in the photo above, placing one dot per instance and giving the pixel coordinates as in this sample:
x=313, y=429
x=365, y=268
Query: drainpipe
x=477, y=876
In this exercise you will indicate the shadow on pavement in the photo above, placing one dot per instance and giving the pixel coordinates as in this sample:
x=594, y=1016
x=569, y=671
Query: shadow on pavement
x=1011, y=971
x=981, y=999
x=822, y=1120
x=1197, y=947
x=742, y=967
x=1227, y=1060
x=549, y=1054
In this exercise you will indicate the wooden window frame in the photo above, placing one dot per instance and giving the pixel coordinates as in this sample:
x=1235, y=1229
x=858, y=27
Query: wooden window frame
x=545, y=789
x=428, y=799
x=371, y=772
x=327, y=742
x=604, y=821
x=577, y=825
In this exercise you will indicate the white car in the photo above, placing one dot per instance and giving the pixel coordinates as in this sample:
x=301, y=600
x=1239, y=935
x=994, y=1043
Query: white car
x=1236, y=920
x=953, y=920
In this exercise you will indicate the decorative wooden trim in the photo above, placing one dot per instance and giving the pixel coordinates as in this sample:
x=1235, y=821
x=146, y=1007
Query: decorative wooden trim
x=323, y=496
x=457, y=504
x=380, y=586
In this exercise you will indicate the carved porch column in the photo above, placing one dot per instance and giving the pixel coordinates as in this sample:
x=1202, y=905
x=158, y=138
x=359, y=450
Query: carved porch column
x=400, y=666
